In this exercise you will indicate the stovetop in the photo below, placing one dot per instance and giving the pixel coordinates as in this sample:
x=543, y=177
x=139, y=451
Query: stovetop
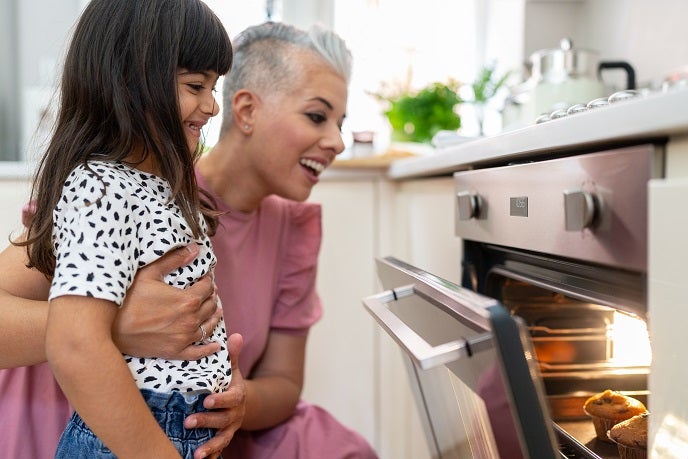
x=660, y=114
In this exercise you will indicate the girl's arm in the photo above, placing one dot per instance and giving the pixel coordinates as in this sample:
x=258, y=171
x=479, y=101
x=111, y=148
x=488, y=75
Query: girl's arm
x=96, y=380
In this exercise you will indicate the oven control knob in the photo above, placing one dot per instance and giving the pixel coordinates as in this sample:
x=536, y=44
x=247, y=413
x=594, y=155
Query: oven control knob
x=580, y=208
x=468, y=205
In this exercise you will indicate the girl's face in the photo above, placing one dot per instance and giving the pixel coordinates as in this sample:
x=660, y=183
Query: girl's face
x=196, y=102
x=298, y=131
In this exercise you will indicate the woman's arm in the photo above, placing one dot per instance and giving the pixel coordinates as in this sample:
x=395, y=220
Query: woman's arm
x=227, y=408
x=263, y=401
x=274, y=387
x=96, y=379
x=156, y=319
x=23, y=308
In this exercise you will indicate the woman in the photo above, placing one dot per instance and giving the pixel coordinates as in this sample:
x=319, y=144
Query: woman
x=284, y=105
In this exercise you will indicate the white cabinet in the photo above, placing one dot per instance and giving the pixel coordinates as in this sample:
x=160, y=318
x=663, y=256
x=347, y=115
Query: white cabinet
x=667, y=293
x=423, y=225
x=353, y=368
x=425, y=220
x=14, y=193
x=342, y=354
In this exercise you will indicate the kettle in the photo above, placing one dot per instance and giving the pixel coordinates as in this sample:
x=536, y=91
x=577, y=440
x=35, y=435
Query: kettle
x=560, y=78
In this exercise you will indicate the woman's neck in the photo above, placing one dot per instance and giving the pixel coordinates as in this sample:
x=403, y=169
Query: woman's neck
x=226, y=170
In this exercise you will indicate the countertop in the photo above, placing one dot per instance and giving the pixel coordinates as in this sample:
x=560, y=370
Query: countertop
x=658, y=115
x=16, y=170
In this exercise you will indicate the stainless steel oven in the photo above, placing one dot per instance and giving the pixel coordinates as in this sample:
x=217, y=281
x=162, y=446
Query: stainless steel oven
x=551, y=307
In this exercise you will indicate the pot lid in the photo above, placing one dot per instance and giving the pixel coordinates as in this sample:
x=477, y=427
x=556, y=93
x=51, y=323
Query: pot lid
x=563, y=62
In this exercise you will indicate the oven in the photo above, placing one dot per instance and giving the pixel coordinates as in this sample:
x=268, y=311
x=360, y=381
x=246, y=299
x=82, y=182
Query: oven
x=551, y=307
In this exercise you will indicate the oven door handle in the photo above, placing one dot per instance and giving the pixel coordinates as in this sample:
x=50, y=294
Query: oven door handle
x=425, y=355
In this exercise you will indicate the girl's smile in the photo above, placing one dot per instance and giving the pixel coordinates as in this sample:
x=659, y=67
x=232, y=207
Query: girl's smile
x=197, y=102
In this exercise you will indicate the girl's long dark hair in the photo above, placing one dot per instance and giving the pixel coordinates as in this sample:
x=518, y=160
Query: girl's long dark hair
x=119, y=93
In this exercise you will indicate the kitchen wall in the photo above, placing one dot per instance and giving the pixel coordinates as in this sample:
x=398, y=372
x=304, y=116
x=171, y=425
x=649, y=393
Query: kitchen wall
x=650, y=35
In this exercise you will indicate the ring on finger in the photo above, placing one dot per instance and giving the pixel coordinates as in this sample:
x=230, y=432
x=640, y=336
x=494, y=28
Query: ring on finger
x=203, y=332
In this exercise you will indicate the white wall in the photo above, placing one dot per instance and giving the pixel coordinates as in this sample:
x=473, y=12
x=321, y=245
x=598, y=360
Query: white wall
x=650, y=35
x=14, y=193
x=304, y=13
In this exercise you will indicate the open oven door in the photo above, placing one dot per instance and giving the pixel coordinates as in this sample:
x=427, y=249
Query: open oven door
x=471, y=367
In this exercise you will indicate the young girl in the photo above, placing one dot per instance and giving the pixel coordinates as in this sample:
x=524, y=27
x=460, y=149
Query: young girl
x=114, y=192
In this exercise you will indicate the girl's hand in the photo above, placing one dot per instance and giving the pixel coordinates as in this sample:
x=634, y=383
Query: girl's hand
x=159, y=320
x=228, y=408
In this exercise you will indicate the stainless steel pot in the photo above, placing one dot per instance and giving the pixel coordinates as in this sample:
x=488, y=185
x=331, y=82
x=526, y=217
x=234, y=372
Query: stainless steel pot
x=560, y=65
x=559, y=78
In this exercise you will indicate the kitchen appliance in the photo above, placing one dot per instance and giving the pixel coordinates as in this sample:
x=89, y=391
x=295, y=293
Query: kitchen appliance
x=551, y=308
x=559, y=78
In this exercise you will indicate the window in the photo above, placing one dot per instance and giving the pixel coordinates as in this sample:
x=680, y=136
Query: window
x=31, y=46
x=407, y=42
x=8, y=94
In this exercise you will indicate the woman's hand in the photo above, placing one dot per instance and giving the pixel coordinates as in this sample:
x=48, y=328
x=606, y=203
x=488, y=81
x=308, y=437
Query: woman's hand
x=159, y=320
x=228, y=408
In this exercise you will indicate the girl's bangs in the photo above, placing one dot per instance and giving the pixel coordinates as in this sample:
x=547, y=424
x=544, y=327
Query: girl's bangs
x=205, y=44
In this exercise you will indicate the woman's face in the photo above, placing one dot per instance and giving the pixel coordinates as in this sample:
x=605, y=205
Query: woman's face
x=196, y=102
x=297, y=132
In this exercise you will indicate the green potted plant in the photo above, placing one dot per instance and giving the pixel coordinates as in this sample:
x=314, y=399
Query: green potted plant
x=416, y=116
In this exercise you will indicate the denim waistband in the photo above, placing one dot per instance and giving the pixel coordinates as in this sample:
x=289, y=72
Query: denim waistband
x=170, y=410
x=181, y=402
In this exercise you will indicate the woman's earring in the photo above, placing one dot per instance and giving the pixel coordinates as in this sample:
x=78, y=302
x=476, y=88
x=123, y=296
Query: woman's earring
x=246, y=127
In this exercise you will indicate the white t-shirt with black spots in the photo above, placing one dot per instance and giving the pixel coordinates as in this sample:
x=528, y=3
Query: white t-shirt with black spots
x=112, y=220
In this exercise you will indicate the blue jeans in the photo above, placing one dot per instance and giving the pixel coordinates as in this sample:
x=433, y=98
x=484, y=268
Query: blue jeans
x=169, y=409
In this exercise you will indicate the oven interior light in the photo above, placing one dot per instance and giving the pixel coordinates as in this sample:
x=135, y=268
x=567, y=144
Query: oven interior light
x=631, y=342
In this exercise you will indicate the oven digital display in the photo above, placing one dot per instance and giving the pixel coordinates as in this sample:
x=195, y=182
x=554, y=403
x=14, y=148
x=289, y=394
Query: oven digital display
x=518, y=206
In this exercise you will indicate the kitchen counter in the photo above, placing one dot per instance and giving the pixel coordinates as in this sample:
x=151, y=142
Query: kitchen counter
x=656, y=115
x=16, y=170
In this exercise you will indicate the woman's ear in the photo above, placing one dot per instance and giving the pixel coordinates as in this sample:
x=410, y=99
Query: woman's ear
x=244, y=105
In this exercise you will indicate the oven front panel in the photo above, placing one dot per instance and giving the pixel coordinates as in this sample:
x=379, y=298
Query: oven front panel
x=590, y=207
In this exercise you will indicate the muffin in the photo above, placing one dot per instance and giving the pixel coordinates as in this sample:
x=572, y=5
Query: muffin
x=630, y=437
x=608, y=408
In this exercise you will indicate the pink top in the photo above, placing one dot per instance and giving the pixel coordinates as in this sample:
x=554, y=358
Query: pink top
x=266, y=270
x=33, y=412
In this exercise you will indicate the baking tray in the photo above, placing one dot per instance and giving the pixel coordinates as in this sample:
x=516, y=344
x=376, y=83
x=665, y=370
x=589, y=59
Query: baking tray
x=577, y=439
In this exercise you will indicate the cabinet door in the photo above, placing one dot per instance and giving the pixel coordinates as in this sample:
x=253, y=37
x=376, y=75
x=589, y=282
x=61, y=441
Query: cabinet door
x=667, y=293
x=425, y=218
x=422, y=223
x=341, y=361
x=14, y=193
